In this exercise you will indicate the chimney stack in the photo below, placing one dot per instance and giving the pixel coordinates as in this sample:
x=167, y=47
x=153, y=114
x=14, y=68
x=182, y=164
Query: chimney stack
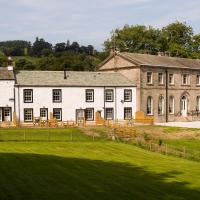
x=10, y=64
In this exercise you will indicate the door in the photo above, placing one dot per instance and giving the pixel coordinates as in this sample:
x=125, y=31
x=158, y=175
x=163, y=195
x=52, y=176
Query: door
x=44, y=113
x=184, y=106
x=0, y=114
x=7, y=114
x=80, y=116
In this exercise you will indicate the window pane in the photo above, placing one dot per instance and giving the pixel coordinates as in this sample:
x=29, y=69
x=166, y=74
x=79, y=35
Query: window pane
x=109, y=95
x=28, y=115
x=149, y=105
x=89, y=95
x=127, y=113
x=28, y=96
x=161, y=105
x=89, y=114
x=171, y=105
x=149, y=77
x=109, y=113
x=128, y=95
x=57, y=97
x=57, y=113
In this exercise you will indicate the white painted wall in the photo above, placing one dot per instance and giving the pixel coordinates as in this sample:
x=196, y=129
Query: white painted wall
x=73, y=98
x=7, y=94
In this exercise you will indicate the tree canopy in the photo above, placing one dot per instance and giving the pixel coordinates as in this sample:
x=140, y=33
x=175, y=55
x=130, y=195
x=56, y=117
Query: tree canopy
x=176, y=38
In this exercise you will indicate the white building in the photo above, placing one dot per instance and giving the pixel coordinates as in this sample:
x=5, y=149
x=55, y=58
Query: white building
x=65, y=95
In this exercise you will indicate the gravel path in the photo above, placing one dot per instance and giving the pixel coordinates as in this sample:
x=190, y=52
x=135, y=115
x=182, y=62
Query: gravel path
x=181, y=124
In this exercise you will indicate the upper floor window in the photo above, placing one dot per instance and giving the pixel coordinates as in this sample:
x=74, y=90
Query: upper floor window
x=89, y=95
x=198, y=79
x=109, y=95
x=185, y=79
x=171, y=79
x=28, y=96
x=127, y=95
x=57, y=95
x=149, y=77
x=160, y=78
x=149, y=105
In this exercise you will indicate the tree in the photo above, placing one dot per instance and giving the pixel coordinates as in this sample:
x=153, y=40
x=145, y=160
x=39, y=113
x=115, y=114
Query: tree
x=39, y=45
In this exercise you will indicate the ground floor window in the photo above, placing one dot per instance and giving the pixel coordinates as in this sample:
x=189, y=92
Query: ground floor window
x=28, y=114
x=171, y=105
x=109, y=113
x=127, y=113
x=198, y=104
x=161, y=105
x=89, y=114
x=57, y=113
x=149, y=105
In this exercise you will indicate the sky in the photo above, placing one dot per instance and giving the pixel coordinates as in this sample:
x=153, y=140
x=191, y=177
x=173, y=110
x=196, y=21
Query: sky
x=89, y=21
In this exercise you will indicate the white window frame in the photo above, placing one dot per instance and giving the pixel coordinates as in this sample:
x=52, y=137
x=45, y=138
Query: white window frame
x=198, y=79
x=198, y=103
x=28, y=95
x=171, y=77
x=127, y=113
x=161, y=105
x=185, y=77
x=160, y=75
x=150, y=74
x=57, y=115
x=28, y=117
x=109, y=95
x=89, y=114
x=57, y=95
x=171, y=104
x=89, y=95
x=151, y=105
x=110, y=115
x=127, y=95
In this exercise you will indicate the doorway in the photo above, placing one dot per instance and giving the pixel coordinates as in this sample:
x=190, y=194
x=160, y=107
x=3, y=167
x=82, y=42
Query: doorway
x=184, y=106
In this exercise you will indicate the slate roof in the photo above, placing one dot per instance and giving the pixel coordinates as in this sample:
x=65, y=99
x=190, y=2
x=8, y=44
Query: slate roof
x=155, y=60
x=5, y=74
x=56, y=78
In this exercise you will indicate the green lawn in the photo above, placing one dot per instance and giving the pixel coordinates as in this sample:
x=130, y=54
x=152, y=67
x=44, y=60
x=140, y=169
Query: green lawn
x=57, y=134
x=99, y=170
x=189, y=144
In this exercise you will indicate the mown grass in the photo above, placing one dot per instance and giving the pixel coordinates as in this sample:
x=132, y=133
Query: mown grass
x=47, y=134
x=96, y=170
x=189, y=144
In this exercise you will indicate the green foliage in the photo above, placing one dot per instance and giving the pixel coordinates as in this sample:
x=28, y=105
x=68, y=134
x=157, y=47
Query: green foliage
x=177, y=38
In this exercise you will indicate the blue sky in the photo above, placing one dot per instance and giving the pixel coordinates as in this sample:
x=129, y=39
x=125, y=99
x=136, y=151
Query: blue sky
x=89, y=21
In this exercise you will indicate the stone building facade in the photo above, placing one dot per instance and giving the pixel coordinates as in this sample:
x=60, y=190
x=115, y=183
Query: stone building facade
x=168, y=88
